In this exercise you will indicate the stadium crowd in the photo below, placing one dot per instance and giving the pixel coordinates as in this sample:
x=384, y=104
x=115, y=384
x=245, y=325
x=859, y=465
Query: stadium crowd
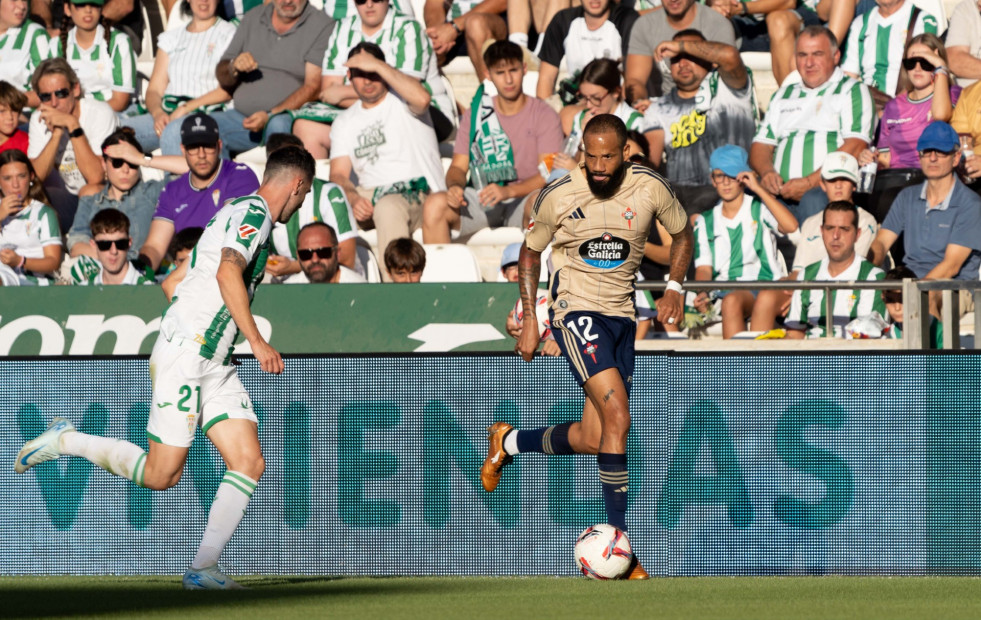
x=876, y=113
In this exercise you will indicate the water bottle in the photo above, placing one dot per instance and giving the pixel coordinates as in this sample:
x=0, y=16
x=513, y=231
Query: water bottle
x=571, y=145
x=866, y=175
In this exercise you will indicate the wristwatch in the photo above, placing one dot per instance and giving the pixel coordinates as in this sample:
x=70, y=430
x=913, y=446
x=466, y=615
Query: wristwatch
x=455, y=27
x=147, y=159
x=78, y=132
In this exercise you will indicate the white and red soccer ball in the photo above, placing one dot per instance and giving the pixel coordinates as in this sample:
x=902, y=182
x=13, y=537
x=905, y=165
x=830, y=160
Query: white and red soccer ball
x=603, y=552
x=541, y=313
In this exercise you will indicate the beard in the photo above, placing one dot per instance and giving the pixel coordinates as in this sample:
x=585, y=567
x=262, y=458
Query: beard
x=604, y=190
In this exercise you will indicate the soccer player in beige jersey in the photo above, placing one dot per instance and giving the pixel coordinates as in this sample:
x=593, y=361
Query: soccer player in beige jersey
x=597, y=219
x=194, y=383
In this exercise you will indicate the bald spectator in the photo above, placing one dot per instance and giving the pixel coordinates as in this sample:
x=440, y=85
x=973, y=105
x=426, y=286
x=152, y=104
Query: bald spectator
x=316, y=249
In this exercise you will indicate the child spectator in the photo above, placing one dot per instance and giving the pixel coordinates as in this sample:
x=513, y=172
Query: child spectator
x=12, y=102
x=893, y=299
x=405, y=260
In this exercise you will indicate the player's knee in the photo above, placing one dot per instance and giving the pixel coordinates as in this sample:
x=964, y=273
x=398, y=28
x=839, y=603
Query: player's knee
x=161, y=481
x=252, y=466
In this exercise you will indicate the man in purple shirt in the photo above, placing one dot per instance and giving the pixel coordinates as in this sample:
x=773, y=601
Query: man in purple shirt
x=194, y=197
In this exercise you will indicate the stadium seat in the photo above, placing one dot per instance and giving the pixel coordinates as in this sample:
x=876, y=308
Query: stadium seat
x=450, y=263
x=367, y=261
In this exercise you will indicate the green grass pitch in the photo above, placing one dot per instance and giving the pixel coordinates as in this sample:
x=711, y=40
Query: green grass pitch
x=499, y=598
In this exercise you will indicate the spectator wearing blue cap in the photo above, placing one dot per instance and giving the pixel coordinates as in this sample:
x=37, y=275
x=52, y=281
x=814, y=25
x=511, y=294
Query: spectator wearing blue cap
x=737, y=239
x=940, y=220
x=509, y=262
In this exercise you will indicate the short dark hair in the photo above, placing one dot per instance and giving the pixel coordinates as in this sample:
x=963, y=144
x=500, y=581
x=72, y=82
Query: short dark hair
x=123, y=134
x=817, y=30
x=367, y=46
x=276, y=141
x=185, y=239
x=843, y=206
x=689, y=32
x=11, y=97
x=603, y=123
x=405, y=253
x=503, y=51
x=330, y=230
x=109, y=221
x=289, y=159
x=900, y=272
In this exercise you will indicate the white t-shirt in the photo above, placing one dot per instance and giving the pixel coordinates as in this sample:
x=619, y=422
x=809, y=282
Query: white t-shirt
x=965, y=31
x=96, y=118
x=197, y=315
x=193, y=57
x=387, y=144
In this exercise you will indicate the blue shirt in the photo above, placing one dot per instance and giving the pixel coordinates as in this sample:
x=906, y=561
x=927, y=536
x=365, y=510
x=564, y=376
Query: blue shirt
x=927, y=232
x=187, y=206
x=138, y=205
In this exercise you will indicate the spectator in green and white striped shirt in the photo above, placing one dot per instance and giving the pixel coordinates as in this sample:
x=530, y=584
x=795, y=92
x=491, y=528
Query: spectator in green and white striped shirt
x=828, y=111
x=808, y=312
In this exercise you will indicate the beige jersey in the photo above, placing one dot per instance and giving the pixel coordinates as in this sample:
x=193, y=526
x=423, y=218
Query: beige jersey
x=597, y=245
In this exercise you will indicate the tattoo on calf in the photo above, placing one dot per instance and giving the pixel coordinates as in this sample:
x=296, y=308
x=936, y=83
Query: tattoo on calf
x=607, y=396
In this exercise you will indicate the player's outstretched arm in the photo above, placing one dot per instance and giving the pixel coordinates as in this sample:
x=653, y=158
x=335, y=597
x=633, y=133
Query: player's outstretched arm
x=671, y=307
x=529, y=269
x=236, y=298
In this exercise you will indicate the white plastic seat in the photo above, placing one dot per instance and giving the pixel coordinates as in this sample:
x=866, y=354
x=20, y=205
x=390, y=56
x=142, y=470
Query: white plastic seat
x=450, y=262
x=367, y=261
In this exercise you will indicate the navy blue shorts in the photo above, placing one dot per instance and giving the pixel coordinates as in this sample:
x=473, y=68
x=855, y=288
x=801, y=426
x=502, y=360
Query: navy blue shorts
x=592, y=342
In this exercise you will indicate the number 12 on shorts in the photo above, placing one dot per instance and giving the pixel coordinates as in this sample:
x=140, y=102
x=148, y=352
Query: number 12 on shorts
x=586, y=323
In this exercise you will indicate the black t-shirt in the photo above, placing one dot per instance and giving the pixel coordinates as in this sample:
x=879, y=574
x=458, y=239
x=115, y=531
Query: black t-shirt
x=567, y=36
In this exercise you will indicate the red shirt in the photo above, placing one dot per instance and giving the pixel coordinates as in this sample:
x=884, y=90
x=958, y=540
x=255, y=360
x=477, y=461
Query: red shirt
x=17, y=141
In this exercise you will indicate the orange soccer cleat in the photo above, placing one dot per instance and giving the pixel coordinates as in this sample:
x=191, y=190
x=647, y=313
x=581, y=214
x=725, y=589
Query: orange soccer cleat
x=636, y=571
x=497, y=458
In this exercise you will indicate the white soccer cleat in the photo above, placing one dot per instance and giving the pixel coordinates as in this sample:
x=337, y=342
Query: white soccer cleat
x=44, y=447
x=209, y=578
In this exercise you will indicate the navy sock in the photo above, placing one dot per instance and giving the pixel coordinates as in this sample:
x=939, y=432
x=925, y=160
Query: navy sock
x=615, y=479
x=548, y=440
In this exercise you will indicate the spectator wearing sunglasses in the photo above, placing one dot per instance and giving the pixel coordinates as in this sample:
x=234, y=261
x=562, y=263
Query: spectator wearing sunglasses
x=316, y=249
x=111, y=241
x=124, y=190
x=876, y=41
x=406, y=47
x=709, y=106
x=65, y=133
x=940, y=220
x=581, y=34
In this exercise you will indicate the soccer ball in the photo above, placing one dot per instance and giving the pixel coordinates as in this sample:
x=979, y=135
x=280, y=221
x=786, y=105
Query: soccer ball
x=541, y=313
x=603, y=552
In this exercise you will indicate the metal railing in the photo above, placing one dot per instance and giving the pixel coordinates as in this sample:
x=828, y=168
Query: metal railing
x=916, y=315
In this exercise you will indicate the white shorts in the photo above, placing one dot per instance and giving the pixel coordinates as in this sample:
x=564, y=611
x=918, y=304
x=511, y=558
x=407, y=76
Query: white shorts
x=190, y=391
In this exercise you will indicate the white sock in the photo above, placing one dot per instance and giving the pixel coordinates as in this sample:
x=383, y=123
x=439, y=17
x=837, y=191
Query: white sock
x=227, y=510
x=511, y=442
x=538, y=46
x=116, y=456
x=521, y=38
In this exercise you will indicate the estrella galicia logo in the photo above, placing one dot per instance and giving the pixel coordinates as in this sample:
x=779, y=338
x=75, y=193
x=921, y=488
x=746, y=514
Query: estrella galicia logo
x=605, y=252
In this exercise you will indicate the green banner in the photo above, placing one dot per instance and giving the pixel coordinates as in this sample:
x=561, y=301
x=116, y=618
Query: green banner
x=349, y=318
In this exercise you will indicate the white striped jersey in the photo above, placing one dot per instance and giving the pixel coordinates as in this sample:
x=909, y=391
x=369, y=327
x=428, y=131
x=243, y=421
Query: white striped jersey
x=325, y=202
x=459, y=8
x=875, y=45
x=197, y=313
x=407, y=48
x=31, y=230
x=805, y=124
x=633, y=119
x=743, y=248
x=103, y=68
x=133, y=277
x=21, y=50
x=807, y=307
x=339, y=9
x=193, y=56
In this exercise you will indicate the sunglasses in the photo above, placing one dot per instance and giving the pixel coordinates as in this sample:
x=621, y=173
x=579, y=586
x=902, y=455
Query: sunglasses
x=909, y=63
x=698, y=61
x=105, y=245
x=118, y=163
x=61, y=93
x=928, y=152
x=325, y=253
x=364, y=2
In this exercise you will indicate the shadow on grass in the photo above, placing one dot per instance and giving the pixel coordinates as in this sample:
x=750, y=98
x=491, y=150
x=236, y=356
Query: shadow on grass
x=47, y=597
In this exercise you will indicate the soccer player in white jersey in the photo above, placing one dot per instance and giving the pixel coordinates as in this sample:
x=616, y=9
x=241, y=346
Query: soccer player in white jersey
x=597, y=220
x=193, y=381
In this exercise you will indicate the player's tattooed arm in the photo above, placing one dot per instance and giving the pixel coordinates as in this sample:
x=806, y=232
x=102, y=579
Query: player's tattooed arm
x=529, y=270
x=228, y=255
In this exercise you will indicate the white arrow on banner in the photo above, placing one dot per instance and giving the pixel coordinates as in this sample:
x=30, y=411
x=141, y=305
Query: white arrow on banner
x=448, y=336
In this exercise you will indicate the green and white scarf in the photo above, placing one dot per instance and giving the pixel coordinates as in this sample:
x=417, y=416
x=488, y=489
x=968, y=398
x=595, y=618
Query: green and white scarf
x=413, y=190
x=169, y=103
x=490, y=147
